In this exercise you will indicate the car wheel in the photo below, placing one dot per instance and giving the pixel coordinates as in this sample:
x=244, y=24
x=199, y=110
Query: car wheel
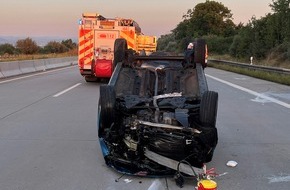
x=107, y=105
x=120, y=48
x=208, y=108
x=200, y=52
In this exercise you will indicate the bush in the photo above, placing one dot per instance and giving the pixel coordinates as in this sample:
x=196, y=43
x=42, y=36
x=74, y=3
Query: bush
x=7, y=49
x=27, y=46
x=55, y=47
x=218, y=44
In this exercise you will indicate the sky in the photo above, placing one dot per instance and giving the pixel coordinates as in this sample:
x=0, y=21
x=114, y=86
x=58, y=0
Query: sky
x=59, y=18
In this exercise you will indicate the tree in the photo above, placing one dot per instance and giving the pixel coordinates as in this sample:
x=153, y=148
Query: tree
x=267, y=36
x=241, y=46
x=211, y=19
x=27, y=46
x=7, y=49
x=218, y=44
x=167, y=43
x=69, y=44
x=54, y=47
x=281, y=9
x=182, y=35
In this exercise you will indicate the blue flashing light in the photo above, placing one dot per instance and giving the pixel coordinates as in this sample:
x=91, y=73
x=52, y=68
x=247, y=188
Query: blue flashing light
x=80, y=22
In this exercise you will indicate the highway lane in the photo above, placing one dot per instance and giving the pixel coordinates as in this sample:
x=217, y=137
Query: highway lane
x=252, y=131
x=48, y=135
x=48, y=142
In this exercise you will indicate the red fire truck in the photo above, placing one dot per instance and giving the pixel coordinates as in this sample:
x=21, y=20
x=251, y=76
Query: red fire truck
x=97, y=36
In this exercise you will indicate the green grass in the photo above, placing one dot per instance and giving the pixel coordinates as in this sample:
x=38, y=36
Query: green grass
x=273, y=77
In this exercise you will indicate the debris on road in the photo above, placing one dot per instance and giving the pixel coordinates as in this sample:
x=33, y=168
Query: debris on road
x=128, y=180
x=206, y=184
x=232, y=163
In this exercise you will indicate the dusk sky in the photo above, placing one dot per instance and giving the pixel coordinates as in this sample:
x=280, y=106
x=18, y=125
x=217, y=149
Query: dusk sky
x=29, y=18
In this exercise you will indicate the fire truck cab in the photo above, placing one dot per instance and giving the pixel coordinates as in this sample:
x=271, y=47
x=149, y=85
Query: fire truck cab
x=97, y=36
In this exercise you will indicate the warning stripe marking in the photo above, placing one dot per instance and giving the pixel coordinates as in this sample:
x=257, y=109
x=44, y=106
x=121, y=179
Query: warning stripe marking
x=85, y=48
x=130, y=37
x=85, y=39
x=86, y=45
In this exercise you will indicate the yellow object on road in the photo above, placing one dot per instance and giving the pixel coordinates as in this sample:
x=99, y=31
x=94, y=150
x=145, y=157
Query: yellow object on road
x=207, y=184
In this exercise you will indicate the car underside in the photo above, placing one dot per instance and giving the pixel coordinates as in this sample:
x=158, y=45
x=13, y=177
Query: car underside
x=155, y=113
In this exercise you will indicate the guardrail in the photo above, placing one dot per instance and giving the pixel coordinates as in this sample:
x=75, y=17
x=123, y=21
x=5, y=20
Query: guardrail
x=13, y=68
x=253, y=67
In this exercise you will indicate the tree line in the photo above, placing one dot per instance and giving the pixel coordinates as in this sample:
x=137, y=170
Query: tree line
x=267, y=37
x=28, y=46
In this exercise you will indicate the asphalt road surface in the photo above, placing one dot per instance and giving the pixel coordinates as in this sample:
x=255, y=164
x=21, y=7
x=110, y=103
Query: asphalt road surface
x=48, y=135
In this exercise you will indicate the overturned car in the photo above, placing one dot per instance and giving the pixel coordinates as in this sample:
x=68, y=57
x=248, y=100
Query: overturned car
x=157, y=112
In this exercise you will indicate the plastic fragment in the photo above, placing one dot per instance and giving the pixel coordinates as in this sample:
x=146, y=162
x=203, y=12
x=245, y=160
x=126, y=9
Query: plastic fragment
x=225, y=173
x=128, y=180
x=232, y=163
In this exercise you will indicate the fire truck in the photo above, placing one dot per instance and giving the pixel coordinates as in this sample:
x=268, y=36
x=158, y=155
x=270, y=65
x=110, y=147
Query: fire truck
x=97, y=36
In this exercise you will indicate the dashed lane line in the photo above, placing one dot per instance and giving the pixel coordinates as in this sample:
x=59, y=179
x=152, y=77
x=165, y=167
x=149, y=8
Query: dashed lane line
x=66, y=90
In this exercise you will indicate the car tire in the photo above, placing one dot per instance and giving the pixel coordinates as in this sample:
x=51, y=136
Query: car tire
x=208, y=108
x=91, y=79
x=200, y=52
x=209, y=156
x=107, y=105
x=93, y=67
x=120, y=48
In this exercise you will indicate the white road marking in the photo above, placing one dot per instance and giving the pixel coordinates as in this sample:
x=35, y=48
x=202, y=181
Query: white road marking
x=260, y=100
x=27, y=76
x=157, y=184
x=66, y=90
x=279, y=179
x=251, y=92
